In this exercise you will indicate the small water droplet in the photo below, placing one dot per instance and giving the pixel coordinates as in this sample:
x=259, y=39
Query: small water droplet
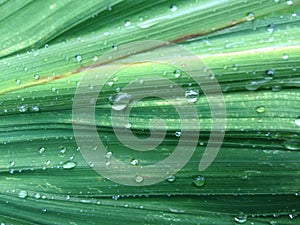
x=276, y=88
x=37, y=196
x=12, y=163
x=108, y=155
x=42, y=150
x=23, y=194
x=115, y=197
x=171, y=178
x=134, y=162
x=293, y=215
x=260, y=109
x=177, y=73
x=78, y=58
x=199, y=181
x=44, y=210
x=63, y=150
x=36, y=76
x=139, y=178
x=127, y=23
x=241, y=218
x=95, y=58
x=289, y=2
x=285, y=56
x=254, y=85
x=18, y=81
x=297, y=121
x=192, y=96
x=250, y=16
x=173, y=8
x=177, y=133
x=35, y=108
x=270, y=27
x=128, y=125
x=69, y=165
x=115, y=46
x=22, y=108
x=120, y=101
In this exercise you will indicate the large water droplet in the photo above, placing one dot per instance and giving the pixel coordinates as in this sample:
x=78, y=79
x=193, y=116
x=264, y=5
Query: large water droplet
x=173, y=8
x=260, y=109
x=241, y=218
x=35, y=108
x=289, y=2
x=23, y=194
x=250, y=16
x=177, y=133
x=297, y=121
x=171, y=178
x=120, y=101
x=78, y=58
x=22, y=108
x=42, y=150
x=139, y=178
x=285, y=57
x=199, y=181
x=293, y=145
x=127, y=23
x=192, y=96
x=134, y=162
x=69, y=165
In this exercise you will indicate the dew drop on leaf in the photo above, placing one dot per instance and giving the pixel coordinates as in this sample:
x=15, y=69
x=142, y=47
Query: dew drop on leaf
x=297, y=121
x=78, y=58
x=192, y=96
x=250, y=16
x=22, y=194
x=285, y=57
x=260, y=109
x=177, y=133
x=199, y=181
x=173, y=8
x=120, y=101
x=69, y=165
x=241, y=218
x=139, y=179
x=171, y=178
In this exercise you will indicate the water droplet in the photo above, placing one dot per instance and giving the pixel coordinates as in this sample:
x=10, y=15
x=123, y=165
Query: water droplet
x=37, y=196
x=95, y=58
x=23, y=194
x=177, y=73
x=115, y=197
x=12, y=163
x=78, y=58
x=241, y=218
x=293, y=215
x=42, y=150
x=177, y=133
x=260, y=109
x=36, y=76
x=297, y=121
x=250, y=16
x=139, y=178
x=108, y=155
x=173, y=8
x=293, y=145
x=192, y=96
x=18, y=81
x=254, y=85
x=276, y=88
x=46, y=46
x=35, y=108
x=128, y=125
x=69, y=165
x=44, y=210
x=22, y=108
x=171, y=178
x=285, y=56
x=270, y=27
x=63, y=150
x=199, y=181
x=134, y=162
x=289, y=2
x=127, y=23
x=115, y=46
x=120, y=101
